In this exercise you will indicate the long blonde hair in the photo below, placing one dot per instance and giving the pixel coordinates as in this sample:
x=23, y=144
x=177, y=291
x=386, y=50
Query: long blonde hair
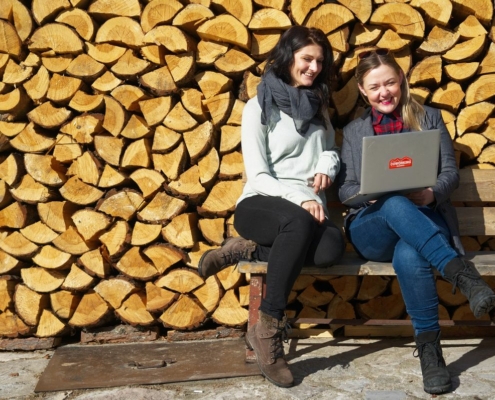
x=412, y=112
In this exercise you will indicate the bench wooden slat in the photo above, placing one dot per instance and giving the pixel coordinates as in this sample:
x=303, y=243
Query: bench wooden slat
x=475, y=185
x=352, y=264
x=384, y=322
x=475, y=221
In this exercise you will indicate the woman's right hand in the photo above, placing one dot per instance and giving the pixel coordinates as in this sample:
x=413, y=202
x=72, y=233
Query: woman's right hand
x=315, y=209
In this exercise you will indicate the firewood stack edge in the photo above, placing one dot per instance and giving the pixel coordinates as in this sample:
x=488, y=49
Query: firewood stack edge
x=120, y=158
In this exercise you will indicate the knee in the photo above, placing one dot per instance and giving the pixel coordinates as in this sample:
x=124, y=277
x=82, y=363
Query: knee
x=394, y=201
x=336, y=242
x=331, y=248
x=395, y=208
x=301, y=221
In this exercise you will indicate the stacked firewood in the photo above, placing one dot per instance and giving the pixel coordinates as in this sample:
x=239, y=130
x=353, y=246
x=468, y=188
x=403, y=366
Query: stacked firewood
x=120, y=159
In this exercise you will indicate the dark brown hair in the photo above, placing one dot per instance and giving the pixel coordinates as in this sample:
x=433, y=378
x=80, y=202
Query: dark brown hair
x=281, y=59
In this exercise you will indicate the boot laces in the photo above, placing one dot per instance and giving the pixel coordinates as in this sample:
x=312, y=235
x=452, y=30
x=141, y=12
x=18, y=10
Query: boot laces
x=232, y=257
x=465, y=273
x=428, y=353
x=278, y=340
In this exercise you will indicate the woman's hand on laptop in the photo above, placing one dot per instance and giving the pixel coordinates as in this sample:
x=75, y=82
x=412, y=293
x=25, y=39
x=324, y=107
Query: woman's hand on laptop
x=321, y=182
x=422, y=197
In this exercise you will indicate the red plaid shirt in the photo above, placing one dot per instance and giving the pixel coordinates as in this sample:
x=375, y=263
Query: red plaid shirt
x=386, y=123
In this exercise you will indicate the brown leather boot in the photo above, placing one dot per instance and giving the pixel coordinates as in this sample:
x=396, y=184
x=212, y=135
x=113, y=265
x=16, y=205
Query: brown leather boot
x=232, y=251
x=267, y=339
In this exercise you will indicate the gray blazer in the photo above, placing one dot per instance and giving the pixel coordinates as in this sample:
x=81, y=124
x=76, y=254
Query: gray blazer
x=448, y=174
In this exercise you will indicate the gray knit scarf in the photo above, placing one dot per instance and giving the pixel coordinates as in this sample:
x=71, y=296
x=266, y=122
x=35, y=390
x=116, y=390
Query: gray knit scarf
x=301, y=103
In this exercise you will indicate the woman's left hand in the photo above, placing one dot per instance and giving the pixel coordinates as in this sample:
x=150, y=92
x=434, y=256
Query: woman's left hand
x=422, y=197
x=315, y=209
x=321, y=182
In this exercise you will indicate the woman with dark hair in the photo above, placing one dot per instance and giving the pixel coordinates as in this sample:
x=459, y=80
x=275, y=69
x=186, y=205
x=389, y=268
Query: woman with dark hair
x=417, y=232
x=290, y=158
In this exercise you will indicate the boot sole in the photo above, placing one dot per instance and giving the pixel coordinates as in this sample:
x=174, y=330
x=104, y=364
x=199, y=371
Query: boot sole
x=486, y=306
x=439, y=389
x=249, y=347
x=200, y=269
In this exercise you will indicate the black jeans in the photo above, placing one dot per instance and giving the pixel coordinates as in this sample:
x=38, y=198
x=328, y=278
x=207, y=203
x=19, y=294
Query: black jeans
x=288, y=237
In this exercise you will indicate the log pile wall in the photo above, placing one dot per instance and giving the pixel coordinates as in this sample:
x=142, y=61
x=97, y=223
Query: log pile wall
x=120, y=159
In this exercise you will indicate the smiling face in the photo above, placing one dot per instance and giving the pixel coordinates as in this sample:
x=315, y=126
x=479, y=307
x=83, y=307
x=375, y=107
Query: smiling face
x=381, y=86
x=307, y=64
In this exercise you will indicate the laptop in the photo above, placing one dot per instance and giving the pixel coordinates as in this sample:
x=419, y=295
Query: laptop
x=400, y=162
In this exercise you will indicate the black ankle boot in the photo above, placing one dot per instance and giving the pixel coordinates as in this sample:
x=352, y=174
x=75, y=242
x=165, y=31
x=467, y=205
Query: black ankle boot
x=464, y=275
x=436, y=378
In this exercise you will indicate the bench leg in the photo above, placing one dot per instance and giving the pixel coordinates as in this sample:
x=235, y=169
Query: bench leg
x=256, y=292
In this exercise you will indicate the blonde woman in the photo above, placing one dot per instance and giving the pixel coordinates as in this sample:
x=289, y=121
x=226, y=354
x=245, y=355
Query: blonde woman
x=418, y=232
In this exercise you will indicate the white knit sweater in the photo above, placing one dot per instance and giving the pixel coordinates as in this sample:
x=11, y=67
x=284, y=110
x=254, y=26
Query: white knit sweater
x=282, y=163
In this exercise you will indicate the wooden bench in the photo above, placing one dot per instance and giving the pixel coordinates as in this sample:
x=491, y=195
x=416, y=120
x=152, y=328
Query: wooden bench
x=477, y=218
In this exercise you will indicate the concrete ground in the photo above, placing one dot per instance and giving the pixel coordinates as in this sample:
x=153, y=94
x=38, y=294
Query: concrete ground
x=330, y=368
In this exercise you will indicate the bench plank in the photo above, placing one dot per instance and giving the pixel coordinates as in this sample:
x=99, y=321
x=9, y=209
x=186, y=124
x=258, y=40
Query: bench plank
x=475, y=221
x=475, y=185
x=352, y=264
x=384, y=322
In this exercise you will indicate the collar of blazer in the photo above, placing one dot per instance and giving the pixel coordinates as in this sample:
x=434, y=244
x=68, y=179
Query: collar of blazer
x=427, y=121
x=366, y=113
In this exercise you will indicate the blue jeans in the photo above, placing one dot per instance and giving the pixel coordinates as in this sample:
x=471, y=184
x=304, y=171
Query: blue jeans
x=416, y=240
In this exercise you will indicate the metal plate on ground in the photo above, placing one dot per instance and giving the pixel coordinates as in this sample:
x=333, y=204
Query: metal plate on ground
x=85, y=367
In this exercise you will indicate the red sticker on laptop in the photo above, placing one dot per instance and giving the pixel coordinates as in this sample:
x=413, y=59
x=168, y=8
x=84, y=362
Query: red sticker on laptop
x=404, y=162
